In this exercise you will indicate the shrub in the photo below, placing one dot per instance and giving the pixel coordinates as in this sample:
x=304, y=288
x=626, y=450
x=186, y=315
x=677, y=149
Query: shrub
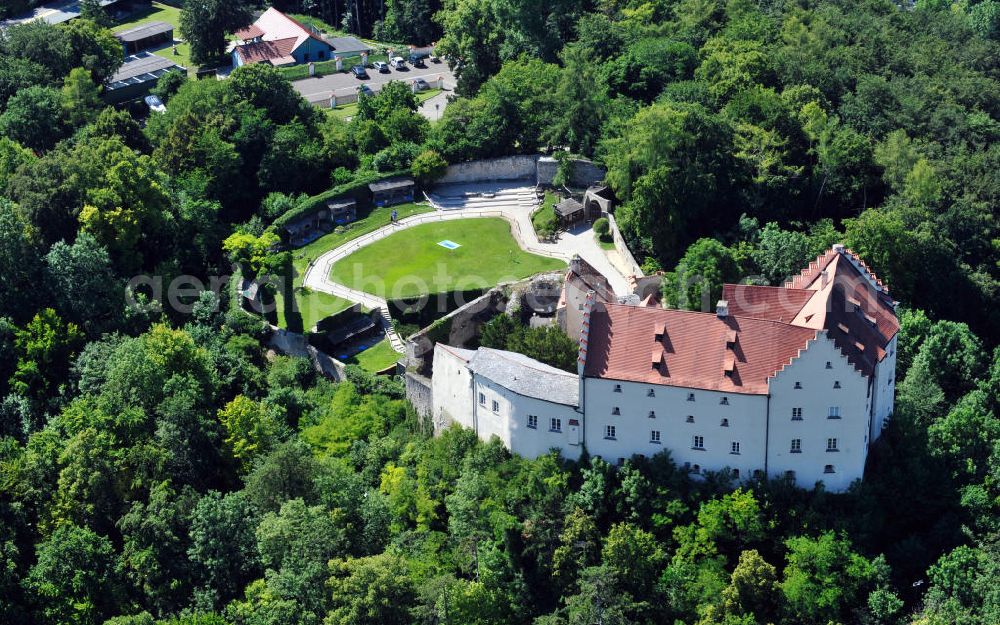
x=602, y=227
x=428, y=166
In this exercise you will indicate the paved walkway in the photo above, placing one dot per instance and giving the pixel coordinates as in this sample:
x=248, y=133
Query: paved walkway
x=513, y=203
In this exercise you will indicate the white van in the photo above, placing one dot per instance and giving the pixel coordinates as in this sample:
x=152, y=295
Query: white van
x=398, y=62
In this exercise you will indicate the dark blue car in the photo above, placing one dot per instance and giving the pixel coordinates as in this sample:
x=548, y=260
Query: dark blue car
x=359, y=71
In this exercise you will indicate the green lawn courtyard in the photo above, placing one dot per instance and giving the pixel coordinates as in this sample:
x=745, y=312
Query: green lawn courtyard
x=411, y=263
x=313, y=306
x=163, y=13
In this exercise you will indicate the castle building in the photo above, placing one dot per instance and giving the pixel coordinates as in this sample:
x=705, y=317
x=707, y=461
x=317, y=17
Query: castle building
x=793, y=381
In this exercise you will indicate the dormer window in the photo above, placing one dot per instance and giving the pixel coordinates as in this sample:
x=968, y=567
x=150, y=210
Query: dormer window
x=724, y=401
x=661, y=331
x=836, y=384
x=618, y=388
x=798, y=385
x=690, y=396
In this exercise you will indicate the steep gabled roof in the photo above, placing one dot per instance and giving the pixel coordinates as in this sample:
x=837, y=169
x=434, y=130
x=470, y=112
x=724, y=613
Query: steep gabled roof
x=697, y=350
x=273, y=25
x=278, y=51
x=838, y=293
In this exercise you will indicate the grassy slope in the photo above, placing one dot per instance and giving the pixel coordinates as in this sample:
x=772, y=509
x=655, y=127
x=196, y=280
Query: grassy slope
x=376, y=358
x=315, y=305
x=411, y=263
x=546, y=213
x=163, y=13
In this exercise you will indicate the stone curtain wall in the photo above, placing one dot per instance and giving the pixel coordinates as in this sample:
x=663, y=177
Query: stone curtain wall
x=531, y=168
x=505, y=168
x=418, y=391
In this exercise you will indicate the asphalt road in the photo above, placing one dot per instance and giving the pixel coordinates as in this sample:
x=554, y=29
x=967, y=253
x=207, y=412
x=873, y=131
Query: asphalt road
x=314, y=89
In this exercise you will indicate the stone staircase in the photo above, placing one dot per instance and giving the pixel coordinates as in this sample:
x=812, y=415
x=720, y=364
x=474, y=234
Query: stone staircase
x=394, y=339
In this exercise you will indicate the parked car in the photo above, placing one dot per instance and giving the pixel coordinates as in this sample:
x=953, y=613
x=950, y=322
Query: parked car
x=365, y=89
x=155, y=104
x=421, y=84
x=381, y=67
x=434, y=58
x=398, y=62
x=359, y=71
x=417, y=60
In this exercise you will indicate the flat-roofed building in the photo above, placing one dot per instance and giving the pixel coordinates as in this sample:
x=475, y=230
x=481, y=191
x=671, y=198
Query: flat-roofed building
x=145, y=36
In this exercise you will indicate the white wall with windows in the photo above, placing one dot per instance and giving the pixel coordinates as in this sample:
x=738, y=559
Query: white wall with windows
x=710, y=429
x=451, y=390
x=555, y=425
x=819, y=418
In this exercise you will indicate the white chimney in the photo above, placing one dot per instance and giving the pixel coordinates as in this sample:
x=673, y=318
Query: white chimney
x=838, y=247
x=722, y=309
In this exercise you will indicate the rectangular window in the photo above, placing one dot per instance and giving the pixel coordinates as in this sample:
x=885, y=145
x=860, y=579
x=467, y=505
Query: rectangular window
x=796, y=446
x=724, y=423
x=609, y=431
x=734, y=447
x=555, y=425
x=533, y=421
x=829, y=365
x=796, y=414
x=690, y=396
x=618, y=388
x=690, y=418
x=650, y=393
x=652, y=414
x=828, y=469
x=654, y=436
x=790, y=475
x=831, y=444
x=736, y=473
x=615, y=411
x=496, y=406
x=834, y=412
x=798, y=385
x=724, y=401
x=482, y=399
x=836, y=384
x=698, y=442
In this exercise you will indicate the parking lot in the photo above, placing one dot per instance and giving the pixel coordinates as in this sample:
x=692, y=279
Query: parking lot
x=320, y=88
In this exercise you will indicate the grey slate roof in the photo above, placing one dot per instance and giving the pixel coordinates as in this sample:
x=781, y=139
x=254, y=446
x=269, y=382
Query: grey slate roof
x=348, y=45
x=145, y=30
x=568, y=206
x=142, y=67
x=526, y=376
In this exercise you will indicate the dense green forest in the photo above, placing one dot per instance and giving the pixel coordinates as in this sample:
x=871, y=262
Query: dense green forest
x=159, y=465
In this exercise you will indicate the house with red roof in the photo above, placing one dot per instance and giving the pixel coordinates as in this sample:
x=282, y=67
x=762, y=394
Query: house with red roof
x=280, y=40
x=790, y=382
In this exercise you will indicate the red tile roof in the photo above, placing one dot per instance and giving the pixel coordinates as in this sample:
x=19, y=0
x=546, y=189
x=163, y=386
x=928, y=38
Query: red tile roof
x=765, y=302
x=250, y=32
x=837, y=293
x=694, y=349
x=259, y=51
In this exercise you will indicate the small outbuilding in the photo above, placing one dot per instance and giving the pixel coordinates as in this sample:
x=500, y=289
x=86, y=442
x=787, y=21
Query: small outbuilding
x=146, y=36
x=569, y=211
x=307, y=227
x=392, y=191
x=137, y=76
